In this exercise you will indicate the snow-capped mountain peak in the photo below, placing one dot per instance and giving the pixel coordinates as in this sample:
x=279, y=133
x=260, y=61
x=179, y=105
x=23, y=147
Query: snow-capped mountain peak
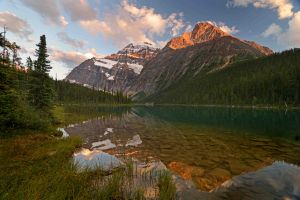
x=114, y=72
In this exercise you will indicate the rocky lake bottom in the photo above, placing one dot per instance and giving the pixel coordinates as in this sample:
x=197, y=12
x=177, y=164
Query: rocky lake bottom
x=213, y=153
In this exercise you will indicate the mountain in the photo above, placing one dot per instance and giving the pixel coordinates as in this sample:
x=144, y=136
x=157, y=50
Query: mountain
x=270, y=80
x=202, y=32
x=116, y=72
x=204, y=50
x=142, y=70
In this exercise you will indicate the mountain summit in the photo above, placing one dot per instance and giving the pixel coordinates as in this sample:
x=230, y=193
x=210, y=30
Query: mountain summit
x=144, y=69
x=202, y=32
x=204, y=50
x=115, y=72
x=207, y=31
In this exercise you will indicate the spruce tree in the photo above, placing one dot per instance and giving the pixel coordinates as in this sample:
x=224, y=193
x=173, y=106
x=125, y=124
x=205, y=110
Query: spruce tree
x=42, y=62
x=41, y=91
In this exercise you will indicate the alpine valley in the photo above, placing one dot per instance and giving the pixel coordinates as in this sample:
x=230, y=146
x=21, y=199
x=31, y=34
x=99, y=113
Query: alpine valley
x=196, y=68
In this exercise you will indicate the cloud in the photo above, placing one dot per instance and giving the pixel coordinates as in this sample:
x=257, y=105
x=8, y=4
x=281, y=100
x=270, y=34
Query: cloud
x=63, y=21
x=48, y=9
x=96, y=26
x=27, y=51
x=230, y=30
x=161, y=44
x=79, y=10
x=188, y=28
x=146, y=18
x=273, y=29
x=284, y=7
x=227, y=29
x=129, y=23
x=70, y=59
x=64, y=37
x=93, y=53
x=176, y=23
x=290, y=36
x=15, y=24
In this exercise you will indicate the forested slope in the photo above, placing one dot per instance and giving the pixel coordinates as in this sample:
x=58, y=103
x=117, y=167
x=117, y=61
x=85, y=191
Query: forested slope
x=271, y=80
x=73, y=93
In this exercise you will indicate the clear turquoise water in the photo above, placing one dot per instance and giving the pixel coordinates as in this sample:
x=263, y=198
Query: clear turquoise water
x=203, y=144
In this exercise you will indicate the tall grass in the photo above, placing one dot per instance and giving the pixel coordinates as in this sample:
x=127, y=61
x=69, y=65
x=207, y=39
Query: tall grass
x=167, y=189
x=38, y=166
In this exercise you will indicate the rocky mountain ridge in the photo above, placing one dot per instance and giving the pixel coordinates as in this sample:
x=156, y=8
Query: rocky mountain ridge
x=204, y=50
x=115, y=72
x=204, y=32
x=144, y=69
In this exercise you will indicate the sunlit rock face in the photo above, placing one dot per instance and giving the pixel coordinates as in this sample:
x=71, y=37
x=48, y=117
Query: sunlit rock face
x=115, y=72
x=202, y=32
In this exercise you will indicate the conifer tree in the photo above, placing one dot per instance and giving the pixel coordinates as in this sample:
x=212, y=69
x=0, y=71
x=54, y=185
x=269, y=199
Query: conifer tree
x=42, y=62
x=41, y=91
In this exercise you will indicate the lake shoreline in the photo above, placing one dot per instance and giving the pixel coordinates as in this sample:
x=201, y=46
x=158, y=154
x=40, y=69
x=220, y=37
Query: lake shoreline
x=273, y=107
x=45, y=157
x=223, y=106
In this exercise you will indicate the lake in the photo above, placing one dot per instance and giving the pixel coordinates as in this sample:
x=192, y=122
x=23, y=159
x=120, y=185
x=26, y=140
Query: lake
x=203, y=145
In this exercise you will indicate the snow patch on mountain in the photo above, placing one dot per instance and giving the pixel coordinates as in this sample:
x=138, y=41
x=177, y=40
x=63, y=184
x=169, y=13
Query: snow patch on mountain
x=111, y=78
x=109, y=64
x=106, y=63
x=136, y=67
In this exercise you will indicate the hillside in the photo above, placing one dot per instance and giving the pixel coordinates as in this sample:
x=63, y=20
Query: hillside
x=206, y=48
x=271, y=80
x=74, y=93
x=115, y=72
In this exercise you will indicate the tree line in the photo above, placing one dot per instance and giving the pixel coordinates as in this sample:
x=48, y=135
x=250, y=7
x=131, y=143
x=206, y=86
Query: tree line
x=28, y=93
x=73, y=93
x=273, y=80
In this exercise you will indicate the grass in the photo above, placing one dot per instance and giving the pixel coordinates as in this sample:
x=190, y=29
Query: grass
x=167, y=189
x=37, y=165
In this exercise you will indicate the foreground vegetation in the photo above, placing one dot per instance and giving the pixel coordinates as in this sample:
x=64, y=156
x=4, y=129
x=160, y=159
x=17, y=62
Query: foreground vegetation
x=38, y=166
x=272, y=80
x=24, y=107
x=35, y=162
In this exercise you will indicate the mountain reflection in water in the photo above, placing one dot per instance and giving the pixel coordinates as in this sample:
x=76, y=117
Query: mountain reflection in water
x=209, y=146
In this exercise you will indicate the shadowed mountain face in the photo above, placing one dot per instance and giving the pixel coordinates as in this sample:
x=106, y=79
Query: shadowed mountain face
x=142, y=68
x=115, y=72
x=205, y=49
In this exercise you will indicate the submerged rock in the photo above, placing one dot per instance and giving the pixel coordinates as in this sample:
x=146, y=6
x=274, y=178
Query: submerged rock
x=108, y=130
x=153, y=168
x=103, y=145
x=185, y=171
x=95, y=159
x=135, y=141
x=278, y=181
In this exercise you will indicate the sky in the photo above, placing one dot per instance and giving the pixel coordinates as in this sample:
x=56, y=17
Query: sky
x=80, y=29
